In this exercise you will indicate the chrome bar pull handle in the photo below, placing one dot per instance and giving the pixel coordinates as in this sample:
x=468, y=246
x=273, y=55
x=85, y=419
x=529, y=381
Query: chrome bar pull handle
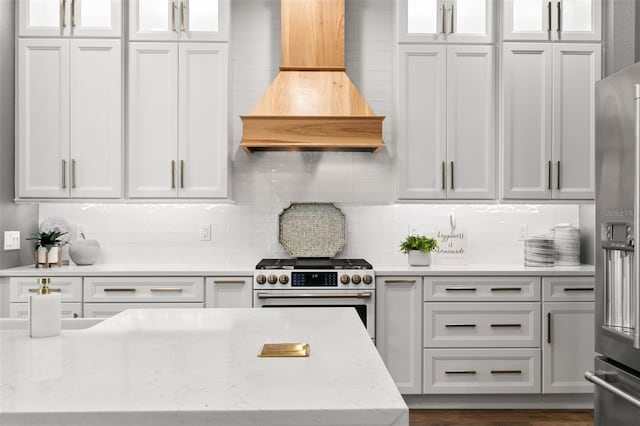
x=506, y=371
x=399, y=281
x=444, y=176
x=451, y=29
x=173, y=15
x=119, y=290
x=452, y=181
x=73, y=13
x=241, y=282
x=460, y=289
x=636, y=224
x=549, y=16
x=181, y=173
x=166, y=290
x=173, y=174
x=460, y=325
x=471, y=372
x=444, y=19
x=559, y=17
x=549, y=172
x=558, y=176
x=182, y=6
x=73, y=174
x=64, y=13
x=506, y=325
x=496, y=289
x=64, y=174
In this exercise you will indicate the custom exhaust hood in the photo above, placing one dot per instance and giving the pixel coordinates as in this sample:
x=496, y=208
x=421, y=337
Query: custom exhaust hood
x=312, y=104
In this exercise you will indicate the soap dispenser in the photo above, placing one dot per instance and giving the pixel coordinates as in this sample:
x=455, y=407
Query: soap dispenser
x=44, y=311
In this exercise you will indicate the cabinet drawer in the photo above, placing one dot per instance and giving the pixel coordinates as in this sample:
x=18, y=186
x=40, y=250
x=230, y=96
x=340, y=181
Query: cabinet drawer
x=70, y=288
x=68, y=310
x=481, y=325
x=566, y=289
x=106, y=310
x=473, y=371
x=229, y=292
x=482, y=289
x=144, y=289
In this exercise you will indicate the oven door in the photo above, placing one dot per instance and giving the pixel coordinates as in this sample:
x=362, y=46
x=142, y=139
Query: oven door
x=363, y=302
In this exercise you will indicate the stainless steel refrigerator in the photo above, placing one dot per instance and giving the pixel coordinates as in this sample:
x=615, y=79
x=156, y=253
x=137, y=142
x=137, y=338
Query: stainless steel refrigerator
x=616, y=375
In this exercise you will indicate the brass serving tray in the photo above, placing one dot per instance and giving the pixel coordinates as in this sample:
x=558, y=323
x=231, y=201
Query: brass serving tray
x=270, y=350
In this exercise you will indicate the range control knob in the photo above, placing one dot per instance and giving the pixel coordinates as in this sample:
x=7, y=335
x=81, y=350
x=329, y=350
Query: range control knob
x=272, y=279
x=367, y=279
x=261, y=279
x=283, y=279
x=344, y=279
x=356, y=279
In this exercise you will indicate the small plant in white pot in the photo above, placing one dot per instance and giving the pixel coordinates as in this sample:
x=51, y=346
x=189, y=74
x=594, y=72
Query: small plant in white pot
x=419, y=248
x=47, y=247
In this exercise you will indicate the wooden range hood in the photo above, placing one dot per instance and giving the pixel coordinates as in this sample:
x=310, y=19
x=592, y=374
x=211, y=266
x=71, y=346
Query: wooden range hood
x=312, y=104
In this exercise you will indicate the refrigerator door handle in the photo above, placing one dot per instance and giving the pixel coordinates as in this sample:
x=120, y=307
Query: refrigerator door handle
x=593, y=378
x=636, y=225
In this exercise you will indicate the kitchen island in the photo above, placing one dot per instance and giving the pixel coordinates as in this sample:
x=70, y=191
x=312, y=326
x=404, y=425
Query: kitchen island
x=194, y=367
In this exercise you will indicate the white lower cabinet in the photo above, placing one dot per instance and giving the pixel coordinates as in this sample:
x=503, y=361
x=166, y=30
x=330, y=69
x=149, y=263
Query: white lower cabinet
x=568, y=348
x=228, y=292
x=474, y=371
x=399, y=330
x=106, y=310
x=68, y=310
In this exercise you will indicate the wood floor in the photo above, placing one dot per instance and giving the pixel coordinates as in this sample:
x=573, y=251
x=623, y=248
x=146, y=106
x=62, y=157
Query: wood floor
x=501, y=418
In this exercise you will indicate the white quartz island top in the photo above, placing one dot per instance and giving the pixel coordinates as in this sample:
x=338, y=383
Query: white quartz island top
x=196, y=367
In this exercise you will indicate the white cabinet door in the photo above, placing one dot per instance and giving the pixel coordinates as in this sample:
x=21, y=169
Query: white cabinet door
x=203, y=120
x=567, y=20
x=527, y=120
x=576, y=68
x=229, y=292
x=204, y=20
x=470, y=21
x=97, y=18
x=43, y=118
x=96, y=118
x=43, y=18
x=578, y=20
x=458, y=21
x=153, y=20
x=568, y=347
x=153, y=120
x=422, y=129
x=191, y=20
x=399, y=330
x=528, y=19
x=471, y=122
x=422, y=20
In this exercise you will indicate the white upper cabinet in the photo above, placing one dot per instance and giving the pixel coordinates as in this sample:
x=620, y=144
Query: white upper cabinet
x=548, y=120
x=446, y=134
x=191, y=20
x=96, y=119
x=202, y=120
x=69, y=118
x=55, y=18
x=458, y=21
x=43, y=118
x=153, y=120
x=564, y=20
x=177, y=126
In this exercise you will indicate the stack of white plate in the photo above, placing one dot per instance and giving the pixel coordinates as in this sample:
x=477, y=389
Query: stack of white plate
x=538, y=251
x=566, y=240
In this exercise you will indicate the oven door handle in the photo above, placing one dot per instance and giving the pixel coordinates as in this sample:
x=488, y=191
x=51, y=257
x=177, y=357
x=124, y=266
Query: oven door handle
x=363, y=295
x=593, y=378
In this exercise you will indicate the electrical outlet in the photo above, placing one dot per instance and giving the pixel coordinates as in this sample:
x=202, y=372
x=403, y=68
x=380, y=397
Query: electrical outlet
x=413, y=229
x=205, y=232
x=12, y=240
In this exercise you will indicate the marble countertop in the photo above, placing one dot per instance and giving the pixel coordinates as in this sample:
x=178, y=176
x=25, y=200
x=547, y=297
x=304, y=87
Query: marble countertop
x=192, y=367
x=248, y=268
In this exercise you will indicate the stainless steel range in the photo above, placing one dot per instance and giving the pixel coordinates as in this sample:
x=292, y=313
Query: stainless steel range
x=317, y=282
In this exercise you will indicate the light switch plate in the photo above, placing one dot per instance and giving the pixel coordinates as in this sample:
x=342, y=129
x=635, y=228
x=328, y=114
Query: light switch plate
x=12, y=240
x=205, y=232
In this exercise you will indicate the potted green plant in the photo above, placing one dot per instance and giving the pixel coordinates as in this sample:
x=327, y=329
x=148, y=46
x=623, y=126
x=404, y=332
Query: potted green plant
x=419, y=248
x=47, y=247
